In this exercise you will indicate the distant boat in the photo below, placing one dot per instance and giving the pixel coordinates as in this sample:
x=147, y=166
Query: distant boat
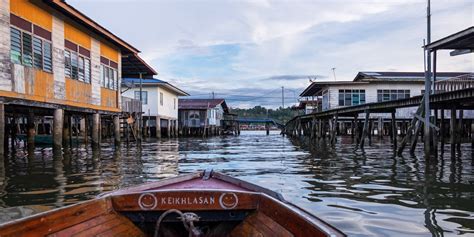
x=199, y=204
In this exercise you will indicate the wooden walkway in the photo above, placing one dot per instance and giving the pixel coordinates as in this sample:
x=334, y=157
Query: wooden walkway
x=327, y=124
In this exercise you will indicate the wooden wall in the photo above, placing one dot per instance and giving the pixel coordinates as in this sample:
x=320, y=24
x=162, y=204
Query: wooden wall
x=37, y=85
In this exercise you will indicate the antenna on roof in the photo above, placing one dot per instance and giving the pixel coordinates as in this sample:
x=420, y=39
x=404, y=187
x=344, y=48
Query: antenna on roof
x=312, y=78
x=334, y=73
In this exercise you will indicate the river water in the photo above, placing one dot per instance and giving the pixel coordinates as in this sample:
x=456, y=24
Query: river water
x=370, y=193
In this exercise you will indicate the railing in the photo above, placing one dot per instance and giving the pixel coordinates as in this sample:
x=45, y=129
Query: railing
x=130, y=105
x=456, y=83
x=314, y=99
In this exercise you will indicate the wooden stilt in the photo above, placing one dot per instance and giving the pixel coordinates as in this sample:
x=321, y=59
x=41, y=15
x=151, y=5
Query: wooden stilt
x=452, y=139
x=441, y=130
x=415, y=137
x=394, y=131
x=66, y=122
x=30, y=129
x=371, y=129
x=95, y=129
x=460, y=130
x=58, y=128
x=116, y=129
x=334, y=132
x=365, y=129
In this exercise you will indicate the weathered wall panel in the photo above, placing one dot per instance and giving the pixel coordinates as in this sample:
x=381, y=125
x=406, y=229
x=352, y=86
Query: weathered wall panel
x=78, y=92
x=108, y=98
x=75, y=34
x=32, y=12
x=109, y=52
x=5, y=69
x=95, y=72
x=58, y=58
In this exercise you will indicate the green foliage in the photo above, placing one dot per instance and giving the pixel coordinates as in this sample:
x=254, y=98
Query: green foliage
x=280, y=114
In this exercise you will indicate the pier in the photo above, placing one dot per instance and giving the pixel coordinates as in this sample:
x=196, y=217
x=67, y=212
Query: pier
x=356, y=120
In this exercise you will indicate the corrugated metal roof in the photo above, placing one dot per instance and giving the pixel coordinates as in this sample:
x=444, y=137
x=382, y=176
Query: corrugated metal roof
x=134, y=82
x=404, y=76
x=144, y=80
x=202, y=104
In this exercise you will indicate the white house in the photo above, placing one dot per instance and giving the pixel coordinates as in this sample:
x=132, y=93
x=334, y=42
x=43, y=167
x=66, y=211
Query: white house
x=195, y=114
x=160, y=104
x=369, y=87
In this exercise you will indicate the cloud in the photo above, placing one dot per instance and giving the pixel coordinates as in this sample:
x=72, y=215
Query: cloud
x=253, y=47
x=293, y=77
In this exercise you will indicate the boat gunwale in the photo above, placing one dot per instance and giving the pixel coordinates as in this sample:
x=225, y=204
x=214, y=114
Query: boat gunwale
x=107, y=203
x=315, y=221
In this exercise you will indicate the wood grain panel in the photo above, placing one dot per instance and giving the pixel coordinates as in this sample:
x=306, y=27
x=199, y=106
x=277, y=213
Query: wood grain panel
x=77, y=35
x=108, y=98
x=32, y=13
x=53, y=221
x=43, y=84
x=185, y=200
x=109, y=51
x=77, y=91
x=259, y=224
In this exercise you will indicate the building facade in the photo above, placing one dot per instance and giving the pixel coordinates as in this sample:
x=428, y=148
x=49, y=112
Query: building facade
x=160, y=101
x=196, y=114
x=56, y=61
x=369, y=87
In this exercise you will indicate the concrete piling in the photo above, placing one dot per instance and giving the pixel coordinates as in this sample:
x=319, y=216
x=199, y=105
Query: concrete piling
x=116, y=129
x=95, y=129
x=58, y=118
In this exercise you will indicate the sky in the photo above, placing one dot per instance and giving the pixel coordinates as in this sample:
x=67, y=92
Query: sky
x=246, y=51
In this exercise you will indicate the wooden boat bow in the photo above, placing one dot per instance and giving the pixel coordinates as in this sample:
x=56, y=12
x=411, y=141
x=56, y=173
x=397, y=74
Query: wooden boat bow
x=224, y=206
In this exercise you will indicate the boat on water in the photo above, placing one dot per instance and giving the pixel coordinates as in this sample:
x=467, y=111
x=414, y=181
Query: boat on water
x=200, y=204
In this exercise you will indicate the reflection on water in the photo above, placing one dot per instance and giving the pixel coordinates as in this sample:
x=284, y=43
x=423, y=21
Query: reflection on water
x=362, y=193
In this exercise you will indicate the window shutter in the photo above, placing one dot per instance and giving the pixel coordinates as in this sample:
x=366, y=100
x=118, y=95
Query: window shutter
x=37, y=53
x=27, y=50
x=47, y=57
x=67, y=63
x=15, y=45
x=87, y=70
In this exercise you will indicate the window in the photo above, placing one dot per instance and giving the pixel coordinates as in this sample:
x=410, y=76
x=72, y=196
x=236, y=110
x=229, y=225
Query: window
x=37, y=53
x=47, y=57
x=144, y=96
x=161, y=98
x=174, y=103
x=30, y=50
x=109, y=78
x=387, y=95
x=81, y=75
x=77, y=66
x=15, y=45
x=27, y=50
x=351, y=97
x=67, y=63
x=74, y=65
x=87, y=70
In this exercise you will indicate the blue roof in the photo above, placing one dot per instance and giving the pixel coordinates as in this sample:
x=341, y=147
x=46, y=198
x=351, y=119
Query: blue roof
x=144, y=80
x=134, y=82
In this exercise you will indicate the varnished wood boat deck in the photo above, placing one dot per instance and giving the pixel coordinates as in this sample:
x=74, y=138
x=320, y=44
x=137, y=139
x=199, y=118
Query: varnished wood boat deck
x=262, y=212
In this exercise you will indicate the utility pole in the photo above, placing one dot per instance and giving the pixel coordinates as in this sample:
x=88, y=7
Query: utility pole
x=334, y=73
x=428, y=83
x=140, y=121
x=282, y=97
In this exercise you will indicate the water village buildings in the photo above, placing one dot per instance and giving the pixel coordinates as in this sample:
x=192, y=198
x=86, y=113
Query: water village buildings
x=368, y=87
x=55, y=61
x=201, y=116
x=160, y=104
